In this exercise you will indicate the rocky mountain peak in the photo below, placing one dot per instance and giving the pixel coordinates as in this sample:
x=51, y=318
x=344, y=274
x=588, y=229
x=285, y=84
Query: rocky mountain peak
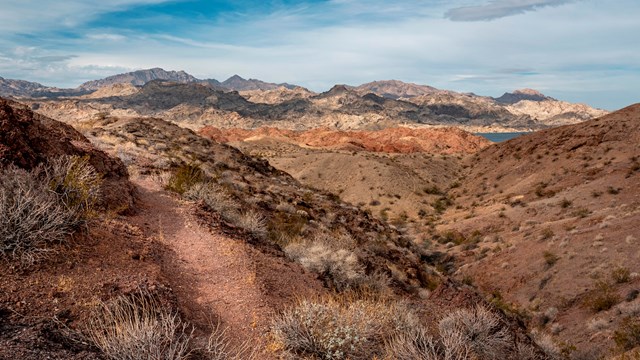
x=522, y=94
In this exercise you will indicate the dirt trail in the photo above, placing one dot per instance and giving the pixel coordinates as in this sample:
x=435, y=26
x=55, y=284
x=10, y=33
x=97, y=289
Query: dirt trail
x=213, y=276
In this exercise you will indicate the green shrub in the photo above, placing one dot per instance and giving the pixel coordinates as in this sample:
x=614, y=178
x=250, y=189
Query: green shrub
x=603, y=297
x=627, y=336
x=550, y=258
x=184, y=177
x=621, y=275
x=75, y=181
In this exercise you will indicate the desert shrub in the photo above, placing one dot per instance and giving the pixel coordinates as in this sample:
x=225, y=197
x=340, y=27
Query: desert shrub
x=627, y=336
x=550, y=258
x=621, y=275
x=603, y=297
x=413, y=344
x=340, y=268
x=42, y=206
x=134, y=327
x=547, y=345
x=432, y=190
x=184, y=177
x=32, y=216
x=340, y=328
x=218, y=347
x=284, y=227
x=252, y=222
x=213, y=196
x=477, y=332
x=565, y=203
x=75, y=181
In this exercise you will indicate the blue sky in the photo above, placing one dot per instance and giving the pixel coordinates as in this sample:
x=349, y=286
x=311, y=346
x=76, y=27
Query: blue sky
x=576, y=50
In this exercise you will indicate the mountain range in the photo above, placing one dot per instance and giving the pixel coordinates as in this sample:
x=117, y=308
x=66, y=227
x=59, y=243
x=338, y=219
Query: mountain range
x=181, y=97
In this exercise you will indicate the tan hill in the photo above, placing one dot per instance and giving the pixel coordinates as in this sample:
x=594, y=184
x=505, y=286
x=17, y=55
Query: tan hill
x=549, y=223
x=276, y=96
x=389, y=140
x=384, y=171
x=554, y=112
x=117, y=89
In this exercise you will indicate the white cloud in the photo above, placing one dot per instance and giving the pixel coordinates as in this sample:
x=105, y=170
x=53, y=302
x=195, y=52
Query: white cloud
x=20, y=16
x=498, y=9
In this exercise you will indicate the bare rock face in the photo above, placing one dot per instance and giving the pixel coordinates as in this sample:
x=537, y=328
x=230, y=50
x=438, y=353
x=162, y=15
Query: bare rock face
x=554, y=112
x=394, y=89
x=276, y=96
x=522, y=94
x=390, y=140
x=28, y=139
x=140, y=77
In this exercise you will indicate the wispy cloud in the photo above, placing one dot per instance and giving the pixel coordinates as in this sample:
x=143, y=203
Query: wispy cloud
x=572, y=50
x=498, y=9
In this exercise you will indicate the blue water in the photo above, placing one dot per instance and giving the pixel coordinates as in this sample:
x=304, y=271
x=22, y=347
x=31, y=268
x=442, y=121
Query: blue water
x=500, y=137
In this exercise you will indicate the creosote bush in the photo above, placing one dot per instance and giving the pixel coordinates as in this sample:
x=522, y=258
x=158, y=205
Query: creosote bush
x=43, y=206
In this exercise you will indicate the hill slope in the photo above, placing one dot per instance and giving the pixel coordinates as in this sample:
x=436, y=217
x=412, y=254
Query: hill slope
x=555, y=218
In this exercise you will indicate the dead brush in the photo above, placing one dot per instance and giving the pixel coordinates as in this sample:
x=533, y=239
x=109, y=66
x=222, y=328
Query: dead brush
x=43, y=206
x=340, y=327
x=476, y=333
x=136, y=326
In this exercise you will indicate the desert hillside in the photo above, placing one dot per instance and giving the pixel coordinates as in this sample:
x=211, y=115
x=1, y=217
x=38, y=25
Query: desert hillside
x=213, y=240
x=549, y=221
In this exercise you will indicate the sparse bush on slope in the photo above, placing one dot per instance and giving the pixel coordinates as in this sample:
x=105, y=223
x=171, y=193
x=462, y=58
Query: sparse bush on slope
x=43, y=206
x=475, y=331
x=339, y=267
x=340, y=328
x=136, y=327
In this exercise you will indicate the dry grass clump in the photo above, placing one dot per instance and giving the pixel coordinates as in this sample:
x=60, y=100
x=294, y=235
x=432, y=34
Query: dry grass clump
x=340, y=268
x=219, y=348
x=43, y=206
x=250, y=221
x=213, y=196
x=340, y=328
x=475, y=332
x=134, y=327
x=184, y=177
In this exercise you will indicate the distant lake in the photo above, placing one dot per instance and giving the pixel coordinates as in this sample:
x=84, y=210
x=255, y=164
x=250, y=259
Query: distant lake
x=500, y=137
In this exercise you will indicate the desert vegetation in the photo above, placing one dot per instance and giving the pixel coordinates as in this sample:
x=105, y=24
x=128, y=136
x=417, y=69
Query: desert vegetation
x=42, y=207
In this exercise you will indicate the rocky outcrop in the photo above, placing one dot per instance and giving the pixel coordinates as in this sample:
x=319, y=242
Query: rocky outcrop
x=28, y=139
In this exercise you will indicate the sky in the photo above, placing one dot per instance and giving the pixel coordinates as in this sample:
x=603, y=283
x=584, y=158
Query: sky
x=584, y=51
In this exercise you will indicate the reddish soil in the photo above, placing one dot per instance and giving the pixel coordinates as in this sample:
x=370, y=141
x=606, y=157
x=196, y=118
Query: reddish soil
x=390, y=140
x=217, y=277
